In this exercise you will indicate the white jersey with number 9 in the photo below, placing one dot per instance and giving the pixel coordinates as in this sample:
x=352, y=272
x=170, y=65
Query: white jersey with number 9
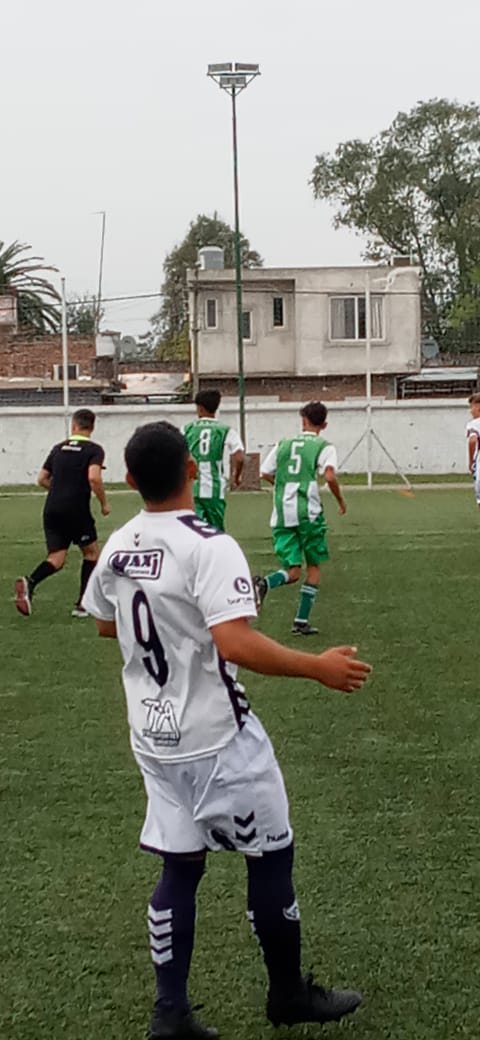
x=165, y=579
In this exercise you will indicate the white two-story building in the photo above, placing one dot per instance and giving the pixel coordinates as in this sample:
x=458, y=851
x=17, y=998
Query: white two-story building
x=306, y=328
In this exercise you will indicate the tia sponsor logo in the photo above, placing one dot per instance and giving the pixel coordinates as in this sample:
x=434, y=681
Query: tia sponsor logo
x=146, y=564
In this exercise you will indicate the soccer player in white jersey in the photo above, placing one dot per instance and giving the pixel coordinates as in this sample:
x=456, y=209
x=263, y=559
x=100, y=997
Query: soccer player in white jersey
x=177, y=594
x=294, y=467
x=473, y=435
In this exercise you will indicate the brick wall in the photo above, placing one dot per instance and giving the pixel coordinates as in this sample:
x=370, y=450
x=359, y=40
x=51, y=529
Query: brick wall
x=33, y=358
x=303, y=388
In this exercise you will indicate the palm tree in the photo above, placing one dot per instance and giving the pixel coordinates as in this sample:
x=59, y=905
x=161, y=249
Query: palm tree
x=37, y=299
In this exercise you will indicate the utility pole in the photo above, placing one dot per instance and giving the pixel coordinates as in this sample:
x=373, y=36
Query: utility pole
x=98, y=314
x=65, y=359
x=195, y=331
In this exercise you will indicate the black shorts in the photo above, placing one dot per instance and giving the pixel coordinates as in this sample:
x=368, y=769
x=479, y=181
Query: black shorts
x=62, y=528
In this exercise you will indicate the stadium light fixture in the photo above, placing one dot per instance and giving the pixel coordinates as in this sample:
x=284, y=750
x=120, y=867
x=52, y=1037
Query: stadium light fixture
x=233, y=77
x=239, y=82
x=214, y=70
x=242, y=67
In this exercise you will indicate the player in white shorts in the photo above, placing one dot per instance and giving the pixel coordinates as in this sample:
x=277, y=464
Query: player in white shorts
x=473, y=435
x=177, y=594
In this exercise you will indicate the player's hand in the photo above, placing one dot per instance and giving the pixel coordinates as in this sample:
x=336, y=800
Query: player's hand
x=106, y=510
x=339, y=669
x=343, y=507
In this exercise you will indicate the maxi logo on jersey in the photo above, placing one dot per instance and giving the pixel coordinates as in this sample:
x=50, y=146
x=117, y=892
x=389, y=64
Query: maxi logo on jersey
x=134, y=564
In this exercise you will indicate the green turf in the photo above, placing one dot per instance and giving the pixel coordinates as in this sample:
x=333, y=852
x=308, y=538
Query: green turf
x=383, y=787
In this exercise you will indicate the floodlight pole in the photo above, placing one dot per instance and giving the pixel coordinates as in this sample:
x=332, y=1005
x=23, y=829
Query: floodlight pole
x=65, y=360
x=235, y=77
x=238, y=276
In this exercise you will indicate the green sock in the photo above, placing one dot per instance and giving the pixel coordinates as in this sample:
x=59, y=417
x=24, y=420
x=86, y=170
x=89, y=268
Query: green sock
x=276, y=578
x=308, y=594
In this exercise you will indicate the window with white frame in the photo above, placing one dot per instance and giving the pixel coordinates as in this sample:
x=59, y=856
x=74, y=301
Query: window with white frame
x=348, y=317
x=246, y=325
x=278, y=312
x=211, y=314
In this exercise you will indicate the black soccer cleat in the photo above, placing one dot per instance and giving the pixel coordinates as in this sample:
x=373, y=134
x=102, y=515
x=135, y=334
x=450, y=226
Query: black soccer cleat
x=311, y=1003
x=303, y=628
x=260, y=589
x=169, y=1023
x=23, y=596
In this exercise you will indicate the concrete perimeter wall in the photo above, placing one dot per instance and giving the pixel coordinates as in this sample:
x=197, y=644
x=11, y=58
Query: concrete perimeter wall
x=424, y=436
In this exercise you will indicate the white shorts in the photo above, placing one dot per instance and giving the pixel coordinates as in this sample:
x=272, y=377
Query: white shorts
x=234, y=800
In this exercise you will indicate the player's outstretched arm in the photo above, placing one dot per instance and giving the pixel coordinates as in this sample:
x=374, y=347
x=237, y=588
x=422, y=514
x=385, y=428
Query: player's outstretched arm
x=337, y=667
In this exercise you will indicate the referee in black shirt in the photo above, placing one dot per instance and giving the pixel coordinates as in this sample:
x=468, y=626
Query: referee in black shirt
x=72, y=470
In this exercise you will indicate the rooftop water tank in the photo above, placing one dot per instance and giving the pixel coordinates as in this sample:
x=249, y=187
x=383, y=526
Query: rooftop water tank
x=211, y=258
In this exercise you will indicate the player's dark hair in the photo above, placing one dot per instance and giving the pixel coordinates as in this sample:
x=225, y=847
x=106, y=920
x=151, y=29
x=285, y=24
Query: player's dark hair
x=84, y=419
x=209, y=399
x=474, y=399
x=156, y=457
x=315, y=412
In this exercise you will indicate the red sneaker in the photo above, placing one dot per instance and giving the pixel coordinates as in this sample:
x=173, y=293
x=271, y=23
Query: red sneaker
x=23, y=600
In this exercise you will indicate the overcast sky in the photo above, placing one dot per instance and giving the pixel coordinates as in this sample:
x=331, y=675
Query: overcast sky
x=106, y=106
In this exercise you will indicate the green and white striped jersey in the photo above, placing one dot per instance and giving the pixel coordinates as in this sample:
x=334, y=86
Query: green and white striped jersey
x=296, y=464
x=208, y=440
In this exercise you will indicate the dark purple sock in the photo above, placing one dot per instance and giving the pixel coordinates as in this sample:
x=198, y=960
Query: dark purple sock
x=171, y=927
x=274, y=916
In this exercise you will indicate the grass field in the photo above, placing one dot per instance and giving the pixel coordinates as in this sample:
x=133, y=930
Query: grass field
x=384, y=789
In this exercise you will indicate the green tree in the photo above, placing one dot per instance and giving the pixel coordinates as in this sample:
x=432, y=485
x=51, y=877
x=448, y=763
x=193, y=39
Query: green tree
x=83, y=315
x=415, y=189
x=37, y=299
x=170, y=324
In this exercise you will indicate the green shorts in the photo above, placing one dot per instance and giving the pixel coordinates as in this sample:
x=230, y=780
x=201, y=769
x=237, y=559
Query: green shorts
x=212, y=510
x=307, y=541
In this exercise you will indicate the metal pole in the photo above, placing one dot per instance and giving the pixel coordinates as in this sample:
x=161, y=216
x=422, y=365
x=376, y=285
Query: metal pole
x=238, y=277
x=368, y=376
x=195, y=330
x=100, y=272
x=65, y=359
